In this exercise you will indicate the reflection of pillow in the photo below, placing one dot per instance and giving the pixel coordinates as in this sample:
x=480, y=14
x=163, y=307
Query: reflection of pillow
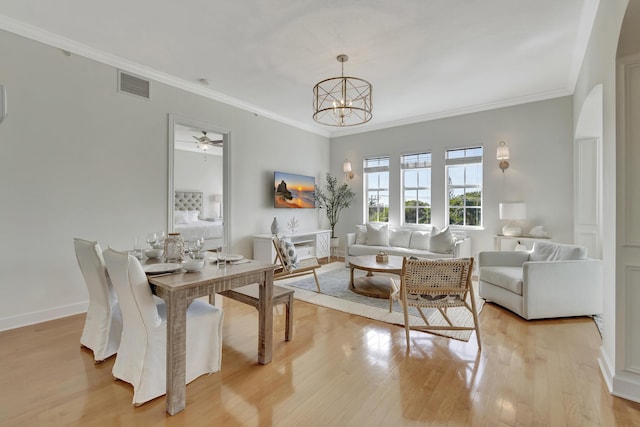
x=441, y=241
x=192, y=216
x=361, y=235
x=180, y=217
x=289, y=254
x=378, y=235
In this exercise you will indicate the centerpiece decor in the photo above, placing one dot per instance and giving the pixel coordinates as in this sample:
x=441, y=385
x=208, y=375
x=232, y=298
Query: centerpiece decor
x=333, y=198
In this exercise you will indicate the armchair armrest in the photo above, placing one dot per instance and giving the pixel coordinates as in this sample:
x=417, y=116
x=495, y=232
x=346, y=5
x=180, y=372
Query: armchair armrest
x=562, y=288
x=502, y=258
x=351, y=239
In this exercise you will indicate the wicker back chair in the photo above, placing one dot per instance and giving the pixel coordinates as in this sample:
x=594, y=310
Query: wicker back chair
x=439, y=284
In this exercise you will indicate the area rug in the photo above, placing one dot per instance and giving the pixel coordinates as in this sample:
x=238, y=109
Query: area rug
x=334, y=282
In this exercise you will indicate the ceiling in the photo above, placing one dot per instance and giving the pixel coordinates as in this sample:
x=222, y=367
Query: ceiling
x=426, y=59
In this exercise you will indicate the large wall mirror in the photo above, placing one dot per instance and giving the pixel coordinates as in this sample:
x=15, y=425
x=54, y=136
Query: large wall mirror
x=198, y=180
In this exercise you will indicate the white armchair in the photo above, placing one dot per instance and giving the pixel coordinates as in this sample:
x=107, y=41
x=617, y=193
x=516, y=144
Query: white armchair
x=552, y=280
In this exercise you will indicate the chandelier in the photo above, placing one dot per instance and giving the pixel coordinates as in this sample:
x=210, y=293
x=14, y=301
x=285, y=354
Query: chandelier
x=342, y=101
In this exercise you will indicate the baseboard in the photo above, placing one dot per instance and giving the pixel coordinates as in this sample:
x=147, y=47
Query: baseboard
x=34, y=317
x=623, y=384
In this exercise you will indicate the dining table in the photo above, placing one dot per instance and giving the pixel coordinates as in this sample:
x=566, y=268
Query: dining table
x=179, y=289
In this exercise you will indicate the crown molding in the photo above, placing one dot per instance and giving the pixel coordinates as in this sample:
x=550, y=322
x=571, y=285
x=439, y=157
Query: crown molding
x=66, y=44
x=510, y=102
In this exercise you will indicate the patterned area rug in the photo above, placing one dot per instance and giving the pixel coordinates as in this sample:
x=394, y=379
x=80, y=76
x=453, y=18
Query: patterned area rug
x=334, y=282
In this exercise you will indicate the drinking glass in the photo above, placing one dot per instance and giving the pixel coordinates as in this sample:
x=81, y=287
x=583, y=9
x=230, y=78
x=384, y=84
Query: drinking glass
x=137, y=247
x=220, y=255
x=152, y=238
x=160, y=242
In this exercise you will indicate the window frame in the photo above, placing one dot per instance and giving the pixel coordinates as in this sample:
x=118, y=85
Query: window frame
x=368, y=169
x=465, y=160
x=406, y=165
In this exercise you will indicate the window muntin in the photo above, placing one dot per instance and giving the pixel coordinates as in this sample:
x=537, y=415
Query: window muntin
x=464, y=186
x=376, y=178
x=416, y=188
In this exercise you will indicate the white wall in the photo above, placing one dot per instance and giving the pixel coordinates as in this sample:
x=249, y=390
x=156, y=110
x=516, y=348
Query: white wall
x=80, y=159
x=192, y=173
x=539, y=136
x=599, y=67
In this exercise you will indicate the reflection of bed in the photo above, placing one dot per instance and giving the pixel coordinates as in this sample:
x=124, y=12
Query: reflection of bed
x=213, y=232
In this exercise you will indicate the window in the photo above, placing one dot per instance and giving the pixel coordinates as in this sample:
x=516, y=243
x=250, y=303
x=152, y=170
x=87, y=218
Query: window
x=464, y=186
x=376, y=178
x=416, y=188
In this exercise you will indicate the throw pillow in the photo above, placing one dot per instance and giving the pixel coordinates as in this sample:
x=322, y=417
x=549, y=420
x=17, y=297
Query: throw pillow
x=378, y=235
x=549, y=251
x=361, y=234
x=192, y=216
x=441, y=241
x=420, y=240
x=289, y=254
x=399, y=237
x=180, y=217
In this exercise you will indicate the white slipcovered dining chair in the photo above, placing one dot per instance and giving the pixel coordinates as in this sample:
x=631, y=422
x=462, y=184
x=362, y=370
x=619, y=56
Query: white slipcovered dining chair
x=141, y=359
x=103, y=324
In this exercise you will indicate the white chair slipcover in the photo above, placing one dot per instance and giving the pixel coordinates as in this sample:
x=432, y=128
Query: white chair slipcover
x=103, y=324
x=141, y=359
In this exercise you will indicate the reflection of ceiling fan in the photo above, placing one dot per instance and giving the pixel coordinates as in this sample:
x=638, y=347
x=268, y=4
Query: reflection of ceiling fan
x=204, y=142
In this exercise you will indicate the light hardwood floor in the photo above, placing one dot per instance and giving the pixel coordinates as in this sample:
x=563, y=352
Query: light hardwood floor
x=339, y=370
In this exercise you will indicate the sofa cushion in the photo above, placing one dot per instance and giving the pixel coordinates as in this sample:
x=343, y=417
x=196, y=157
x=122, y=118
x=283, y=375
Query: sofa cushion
x=357, y=250
x=361, y=234
x=509, y=278
x=399, y=237
x=549, y=251
x=441, y=241
x=420, y=240
x=378, y=235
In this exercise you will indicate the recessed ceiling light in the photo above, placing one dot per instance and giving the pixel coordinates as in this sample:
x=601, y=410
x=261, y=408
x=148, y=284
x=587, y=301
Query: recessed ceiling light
x=204, y=81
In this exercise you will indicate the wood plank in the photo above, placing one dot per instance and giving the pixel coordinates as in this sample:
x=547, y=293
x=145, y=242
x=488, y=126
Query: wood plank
x=340, y=370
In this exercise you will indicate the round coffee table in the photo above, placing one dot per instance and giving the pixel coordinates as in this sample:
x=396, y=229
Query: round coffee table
x=370, y=285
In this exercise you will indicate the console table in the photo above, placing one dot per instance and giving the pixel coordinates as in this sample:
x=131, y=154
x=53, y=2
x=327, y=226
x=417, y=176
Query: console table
x=507, y=243
x=308, y=244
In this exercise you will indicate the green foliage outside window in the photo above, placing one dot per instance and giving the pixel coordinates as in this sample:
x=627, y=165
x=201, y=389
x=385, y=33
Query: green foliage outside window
x=416, y=212
x=466, y=210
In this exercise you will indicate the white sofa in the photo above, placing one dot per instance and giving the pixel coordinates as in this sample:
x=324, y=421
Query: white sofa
x=551, y=280
x=430, y=242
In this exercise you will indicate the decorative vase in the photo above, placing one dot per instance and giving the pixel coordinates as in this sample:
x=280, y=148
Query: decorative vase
x=275, y=227
x=174, y=248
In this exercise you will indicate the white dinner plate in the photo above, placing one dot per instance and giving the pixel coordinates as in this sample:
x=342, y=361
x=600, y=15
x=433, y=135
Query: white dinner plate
x=228, y=257
x=167, y=267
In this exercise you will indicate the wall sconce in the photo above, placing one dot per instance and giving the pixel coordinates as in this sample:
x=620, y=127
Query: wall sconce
x=503, y=155
x=346, y=167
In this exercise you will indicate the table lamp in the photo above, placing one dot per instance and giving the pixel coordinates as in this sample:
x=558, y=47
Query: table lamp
x=512, y=212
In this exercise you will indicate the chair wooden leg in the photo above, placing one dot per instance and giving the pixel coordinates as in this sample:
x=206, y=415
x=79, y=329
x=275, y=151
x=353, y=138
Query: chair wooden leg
x=317, y=282
x=475, y=319
x=288, y=332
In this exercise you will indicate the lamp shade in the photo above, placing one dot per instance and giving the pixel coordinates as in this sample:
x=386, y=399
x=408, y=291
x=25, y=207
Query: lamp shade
x=513, y=211
x=502, y=152
x=346, y=166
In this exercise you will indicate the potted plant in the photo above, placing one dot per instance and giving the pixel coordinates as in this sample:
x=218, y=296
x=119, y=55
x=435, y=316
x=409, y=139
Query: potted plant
x=333, y=199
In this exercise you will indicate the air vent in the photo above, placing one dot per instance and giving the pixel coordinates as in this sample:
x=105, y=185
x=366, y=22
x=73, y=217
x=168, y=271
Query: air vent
x=133, y=85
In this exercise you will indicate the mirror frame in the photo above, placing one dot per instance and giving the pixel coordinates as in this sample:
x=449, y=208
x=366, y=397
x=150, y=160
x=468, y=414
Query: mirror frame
x=226, y=162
